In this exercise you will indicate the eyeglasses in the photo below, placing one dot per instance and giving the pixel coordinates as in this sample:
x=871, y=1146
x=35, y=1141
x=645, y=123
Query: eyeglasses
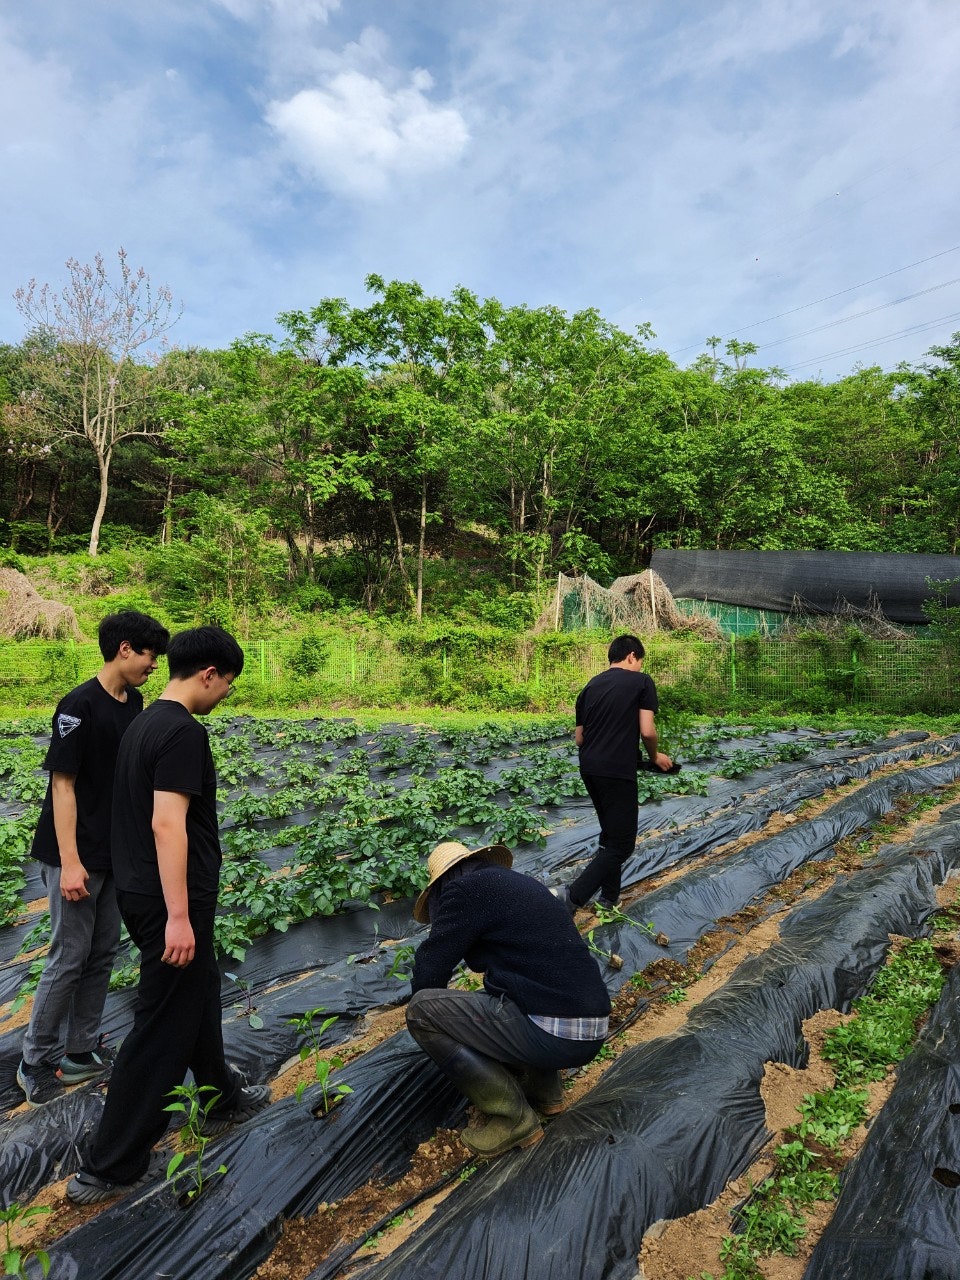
x=231, y=686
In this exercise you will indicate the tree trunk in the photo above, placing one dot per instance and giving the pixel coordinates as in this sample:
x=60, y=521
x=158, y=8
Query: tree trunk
x=421, y=551
x=166, y=535
x=103, y=464
x=401, y=560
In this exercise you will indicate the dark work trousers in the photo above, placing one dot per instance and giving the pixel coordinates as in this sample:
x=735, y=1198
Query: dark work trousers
x=615, y=800
x=176, y=1027
x=440, y=1020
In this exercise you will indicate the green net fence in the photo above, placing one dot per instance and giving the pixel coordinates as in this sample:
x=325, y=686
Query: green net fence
x=812, y=673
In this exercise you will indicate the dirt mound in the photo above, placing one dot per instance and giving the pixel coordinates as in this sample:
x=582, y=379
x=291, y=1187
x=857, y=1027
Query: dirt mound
x=25, y=615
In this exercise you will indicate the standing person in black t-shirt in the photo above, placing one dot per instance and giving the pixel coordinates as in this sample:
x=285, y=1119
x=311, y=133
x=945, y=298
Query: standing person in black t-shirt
x=615, y=712
x=166, y=859
x=72, y=842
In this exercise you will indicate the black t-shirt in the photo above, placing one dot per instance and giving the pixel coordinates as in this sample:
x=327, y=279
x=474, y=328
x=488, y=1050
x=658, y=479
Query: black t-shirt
x=87, y=727
x=165, y=750
x=609, y=709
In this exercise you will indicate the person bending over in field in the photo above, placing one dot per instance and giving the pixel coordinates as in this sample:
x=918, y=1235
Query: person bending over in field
x=543, y=1006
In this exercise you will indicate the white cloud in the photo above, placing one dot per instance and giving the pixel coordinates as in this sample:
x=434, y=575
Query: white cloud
x=355, y=135
x=701, y=167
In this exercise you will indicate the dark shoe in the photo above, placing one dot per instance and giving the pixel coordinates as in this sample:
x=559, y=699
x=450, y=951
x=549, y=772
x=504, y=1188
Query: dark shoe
x=87, y=1188
x=251, y=1099
x=607, y=904
x=501, y=1133
x=41, y=1084
x=563, y=893
x=77, y=1067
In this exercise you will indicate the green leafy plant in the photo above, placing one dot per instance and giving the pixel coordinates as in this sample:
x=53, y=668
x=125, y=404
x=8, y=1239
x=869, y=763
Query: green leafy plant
x=323, y=1068
x=191, y=1104
x=15, y=1260
x=885, y=1026
x=401, y=958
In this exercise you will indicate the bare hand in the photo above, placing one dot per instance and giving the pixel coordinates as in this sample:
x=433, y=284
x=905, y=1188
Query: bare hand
x=181, y=945
x=73, y=882
x=662, y=761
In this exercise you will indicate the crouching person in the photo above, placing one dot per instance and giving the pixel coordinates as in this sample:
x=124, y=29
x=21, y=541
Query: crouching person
x=543, y=1006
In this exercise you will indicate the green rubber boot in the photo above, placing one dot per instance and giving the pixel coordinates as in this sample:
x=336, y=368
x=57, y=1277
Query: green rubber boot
x=501, y=1134
x=543, y=1090
x=510, y=1121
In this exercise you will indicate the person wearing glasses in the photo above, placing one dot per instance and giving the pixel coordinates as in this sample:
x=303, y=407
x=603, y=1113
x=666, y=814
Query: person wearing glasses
x=63, y=1044
x=166, y=861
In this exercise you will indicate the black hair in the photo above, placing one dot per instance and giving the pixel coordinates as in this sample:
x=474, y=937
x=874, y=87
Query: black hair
x=191, y=651
x=623, y=646
x=138, y=629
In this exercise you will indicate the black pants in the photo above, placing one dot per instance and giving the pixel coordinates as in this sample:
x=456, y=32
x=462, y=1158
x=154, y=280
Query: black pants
x=615, y=800
x=442, y=1020
x=176, y=1027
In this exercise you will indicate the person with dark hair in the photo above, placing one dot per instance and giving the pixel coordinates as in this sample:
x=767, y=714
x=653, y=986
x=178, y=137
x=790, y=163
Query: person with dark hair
x=543, y=1006
x=166, y=860
x=615, y=712
x=63, y=1044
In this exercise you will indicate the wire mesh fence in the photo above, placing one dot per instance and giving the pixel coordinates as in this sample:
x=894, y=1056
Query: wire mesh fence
x=812, y=673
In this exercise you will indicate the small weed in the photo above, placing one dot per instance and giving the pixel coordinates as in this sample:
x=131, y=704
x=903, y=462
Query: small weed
x=676, y=996
x=464, y=980
x=373, y=1241
x=607, y=1051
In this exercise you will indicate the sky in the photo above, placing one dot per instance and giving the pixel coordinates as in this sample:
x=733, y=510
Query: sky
x=781, y=172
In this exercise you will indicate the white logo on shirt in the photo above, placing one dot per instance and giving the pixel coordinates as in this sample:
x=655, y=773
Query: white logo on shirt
x=66, y=724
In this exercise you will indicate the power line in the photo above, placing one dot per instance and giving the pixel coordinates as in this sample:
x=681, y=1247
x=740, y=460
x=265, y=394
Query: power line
x=858, y=315
x=828, y=298
x=877, y=342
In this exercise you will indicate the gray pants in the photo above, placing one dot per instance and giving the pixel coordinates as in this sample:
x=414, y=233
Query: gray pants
x=68, y=1004
x=440, y=1020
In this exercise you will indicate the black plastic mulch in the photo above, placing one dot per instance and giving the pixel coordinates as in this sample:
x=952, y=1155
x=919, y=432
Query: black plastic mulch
x=669, y=1124
x=674, y=1120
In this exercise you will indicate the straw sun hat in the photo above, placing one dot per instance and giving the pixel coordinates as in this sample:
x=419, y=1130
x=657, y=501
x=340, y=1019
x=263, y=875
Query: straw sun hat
x=447, y=855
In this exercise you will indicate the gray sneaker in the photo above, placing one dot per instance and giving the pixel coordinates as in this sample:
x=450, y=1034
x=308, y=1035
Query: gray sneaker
x=77, y=1067
x=41, y=1084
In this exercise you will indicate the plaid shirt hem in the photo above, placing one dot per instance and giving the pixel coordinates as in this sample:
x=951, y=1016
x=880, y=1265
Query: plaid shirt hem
x=572, y=1028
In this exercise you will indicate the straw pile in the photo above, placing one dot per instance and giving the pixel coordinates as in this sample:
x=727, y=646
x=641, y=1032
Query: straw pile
x=25, y=615
x=639, y=603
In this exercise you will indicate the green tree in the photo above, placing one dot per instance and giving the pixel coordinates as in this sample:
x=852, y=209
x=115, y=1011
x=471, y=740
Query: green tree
x=560, y=392
x=420, y=356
